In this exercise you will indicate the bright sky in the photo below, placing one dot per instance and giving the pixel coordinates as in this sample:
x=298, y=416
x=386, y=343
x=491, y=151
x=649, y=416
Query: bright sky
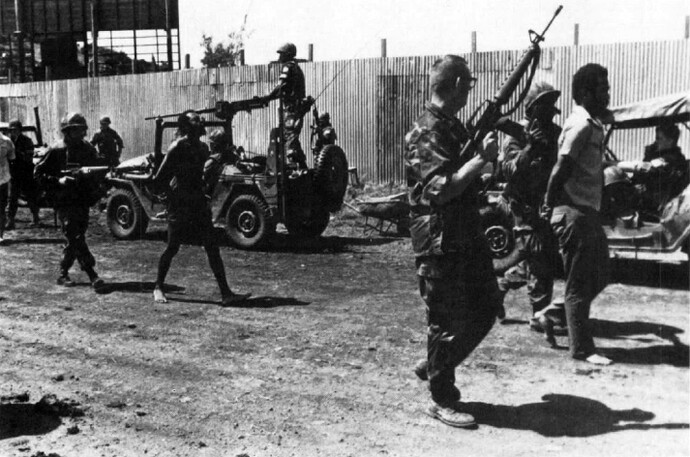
x=346, y=29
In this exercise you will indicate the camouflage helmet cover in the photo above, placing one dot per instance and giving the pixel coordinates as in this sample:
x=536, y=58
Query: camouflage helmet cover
x=73, y=120
x=288, y=49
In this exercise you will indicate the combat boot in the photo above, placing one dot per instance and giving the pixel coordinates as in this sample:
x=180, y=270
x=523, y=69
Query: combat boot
x=65, y=280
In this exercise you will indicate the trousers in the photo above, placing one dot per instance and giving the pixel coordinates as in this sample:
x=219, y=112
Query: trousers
x=584, y=250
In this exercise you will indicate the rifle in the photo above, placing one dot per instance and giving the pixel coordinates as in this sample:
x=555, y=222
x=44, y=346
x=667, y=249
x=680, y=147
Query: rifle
x=78, y=174
x=223, y=109
x=492, y=113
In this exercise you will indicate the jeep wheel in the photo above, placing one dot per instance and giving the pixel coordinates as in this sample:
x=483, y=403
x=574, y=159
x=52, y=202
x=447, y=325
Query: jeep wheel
x=248, y=221
x=498, y=231
x=126, y=217
x=310, y=228
x=331, y=176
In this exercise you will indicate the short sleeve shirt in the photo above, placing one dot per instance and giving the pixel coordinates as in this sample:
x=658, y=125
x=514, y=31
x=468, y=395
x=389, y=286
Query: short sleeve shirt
x=6, y=154
x=582, y=140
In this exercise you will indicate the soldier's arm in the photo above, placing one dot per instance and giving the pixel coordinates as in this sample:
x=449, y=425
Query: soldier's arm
x=444, y=187
x=284, y=77
x=119, y=143
x=47, y=170
x=517, y=157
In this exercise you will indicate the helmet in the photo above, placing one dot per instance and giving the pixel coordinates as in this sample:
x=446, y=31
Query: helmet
x=218, y=138
x=105, y=120
x=288, y=49
x=73, y=120
x=541, y=93
x=614, y=175
x=325, y=118
x=15, y=124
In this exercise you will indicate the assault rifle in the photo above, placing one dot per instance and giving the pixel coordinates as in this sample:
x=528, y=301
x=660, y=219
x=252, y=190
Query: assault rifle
x=492, y=113
x=76, y=173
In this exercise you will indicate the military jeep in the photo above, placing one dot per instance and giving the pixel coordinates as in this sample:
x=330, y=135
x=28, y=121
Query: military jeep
x=251, y=196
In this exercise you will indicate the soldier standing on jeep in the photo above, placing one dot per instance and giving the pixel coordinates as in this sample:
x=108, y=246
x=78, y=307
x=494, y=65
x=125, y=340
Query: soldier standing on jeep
x=527, y=166
x=72, y=198
x=291, y=92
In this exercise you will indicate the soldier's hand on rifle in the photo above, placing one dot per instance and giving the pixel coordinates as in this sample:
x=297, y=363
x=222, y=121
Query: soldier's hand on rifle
x=488, y=149
x=536, y=135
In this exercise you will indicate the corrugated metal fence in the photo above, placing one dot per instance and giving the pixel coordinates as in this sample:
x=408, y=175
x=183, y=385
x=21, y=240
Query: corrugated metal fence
x=372, y=102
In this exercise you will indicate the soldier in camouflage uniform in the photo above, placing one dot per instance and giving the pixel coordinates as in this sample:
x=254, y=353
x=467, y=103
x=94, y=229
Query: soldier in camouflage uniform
x=454, y=268
x=291, y=92
x=526, y=165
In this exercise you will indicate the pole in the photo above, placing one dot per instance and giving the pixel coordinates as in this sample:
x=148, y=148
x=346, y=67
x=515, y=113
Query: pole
x=19, y=32
x=168, y=34
x=310, y=58
x=687, y=27
x=576, y=35
x=474, y=41
x=383, y=48
x=186, y=61
x=94, y=38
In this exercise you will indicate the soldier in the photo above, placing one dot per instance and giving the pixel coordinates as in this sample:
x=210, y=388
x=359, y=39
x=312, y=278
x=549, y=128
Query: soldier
x=454, y=268
x=108, y=142
x=291, y=92
x=220, y=155
x=189, y=217
x=6, y=159
x=324, y=133
x=72, y=197
x=526, y=166
x=573, y=198
x=22, y=175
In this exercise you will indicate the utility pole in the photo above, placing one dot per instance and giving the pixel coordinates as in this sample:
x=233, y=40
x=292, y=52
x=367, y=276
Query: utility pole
x=383, y=48
x=94, y=38
x=576, y=35
x=474, y=41
x=19, y=33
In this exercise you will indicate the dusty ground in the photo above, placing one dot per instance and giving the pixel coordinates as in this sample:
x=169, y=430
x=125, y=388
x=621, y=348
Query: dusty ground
x=319, y=364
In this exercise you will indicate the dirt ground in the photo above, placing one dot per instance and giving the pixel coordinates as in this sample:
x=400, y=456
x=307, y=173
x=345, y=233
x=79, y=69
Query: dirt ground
x=319, y=362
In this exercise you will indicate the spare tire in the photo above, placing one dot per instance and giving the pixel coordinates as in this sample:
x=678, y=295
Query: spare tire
x=331, y=176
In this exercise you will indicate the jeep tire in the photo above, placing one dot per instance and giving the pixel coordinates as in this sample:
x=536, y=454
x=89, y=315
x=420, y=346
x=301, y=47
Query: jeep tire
x=248, y=221
x=125, y=215
x=331, y=176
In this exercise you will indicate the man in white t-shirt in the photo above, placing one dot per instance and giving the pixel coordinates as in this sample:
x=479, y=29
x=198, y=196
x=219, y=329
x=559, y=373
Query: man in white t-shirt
x=6, y=156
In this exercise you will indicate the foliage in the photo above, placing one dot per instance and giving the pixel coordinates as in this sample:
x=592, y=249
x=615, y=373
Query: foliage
x=224, y=55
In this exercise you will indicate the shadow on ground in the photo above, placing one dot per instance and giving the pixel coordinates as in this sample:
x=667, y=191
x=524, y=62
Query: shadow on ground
x=565, y=415
x=651, y=273
x=677, y=354
x=137, y=287
x=23, y=419
x=252, y=302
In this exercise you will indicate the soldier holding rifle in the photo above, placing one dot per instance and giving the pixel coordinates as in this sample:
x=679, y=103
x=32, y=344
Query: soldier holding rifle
x=72, y=195
x=454, y=268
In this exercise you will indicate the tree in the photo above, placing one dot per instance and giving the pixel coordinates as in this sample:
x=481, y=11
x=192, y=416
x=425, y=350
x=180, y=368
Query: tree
x=224, y=55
